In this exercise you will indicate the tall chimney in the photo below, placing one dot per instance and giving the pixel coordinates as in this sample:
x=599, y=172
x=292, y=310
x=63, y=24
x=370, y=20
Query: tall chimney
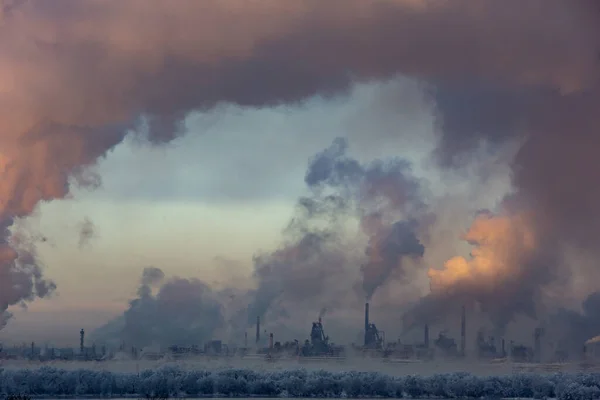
x=271, y=340
x=426, y=339
x=245, y=339
x=81, y=337
x=503, y=349
x=537, y=344
x=257, y=328
x=366, y=321
x=463, y=331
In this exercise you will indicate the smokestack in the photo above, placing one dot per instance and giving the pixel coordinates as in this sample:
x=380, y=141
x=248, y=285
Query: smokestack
x=426, y=338
x=81, y=337
x=319, y=320
x=538, y=345
x=271, y=340
x=245, y=339
x=463, y=331
x=257, y=328
x=366, y=321
x=503, y=349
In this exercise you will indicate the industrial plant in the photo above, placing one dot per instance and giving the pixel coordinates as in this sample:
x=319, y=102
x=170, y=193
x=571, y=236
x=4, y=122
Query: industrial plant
x=319, y=346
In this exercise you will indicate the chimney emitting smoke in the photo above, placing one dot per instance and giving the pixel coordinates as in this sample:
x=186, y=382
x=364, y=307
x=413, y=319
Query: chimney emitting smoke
x=257, y=328
x=463, y=331
x=366, y=321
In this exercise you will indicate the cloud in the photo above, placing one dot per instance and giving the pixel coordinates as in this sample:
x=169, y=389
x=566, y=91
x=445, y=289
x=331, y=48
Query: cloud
x=86, y=73
x=184, y=312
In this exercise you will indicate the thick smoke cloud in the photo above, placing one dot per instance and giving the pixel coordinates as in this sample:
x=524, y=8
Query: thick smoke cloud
x=535, y=67
x=505, y=274
x=386, y=250
x=184, y=312
x=316, y=265
x=312, y=267
x=21, y=278
x=571, y=329
x=382, y=192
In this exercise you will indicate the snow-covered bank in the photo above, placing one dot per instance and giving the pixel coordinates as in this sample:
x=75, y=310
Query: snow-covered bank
x=174, y=381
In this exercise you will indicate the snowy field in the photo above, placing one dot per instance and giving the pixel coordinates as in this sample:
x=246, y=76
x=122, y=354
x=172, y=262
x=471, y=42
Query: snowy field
x=85, y=380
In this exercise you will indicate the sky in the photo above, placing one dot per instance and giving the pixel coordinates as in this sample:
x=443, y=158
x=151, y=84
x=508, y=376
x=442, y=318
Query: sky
x=277, y=158
x=205, y=204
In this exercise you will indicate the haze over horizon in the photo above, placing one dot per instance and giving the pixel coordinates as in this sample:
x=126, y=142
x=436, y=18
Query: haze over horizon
x=279, y=159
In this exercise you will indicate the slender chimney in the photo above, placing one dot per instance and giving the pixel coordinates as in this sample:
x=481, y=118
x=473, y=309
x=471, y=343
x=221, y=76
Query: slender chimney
x=81, y=337
x=245, y=339
x=538, y=345
x=426, y=339
x=503, y=349
x=271, y=340
x=463, y=331
x=366, y=321
x=257, y=328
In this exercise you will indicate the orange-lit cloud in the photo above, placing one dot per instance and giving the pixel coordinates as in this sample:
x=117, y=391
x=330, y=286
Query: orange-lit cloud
x=501, y=245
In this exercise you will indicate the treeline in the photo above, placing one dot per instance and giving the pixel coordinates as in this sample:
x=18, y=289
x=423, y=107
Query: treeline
x=169, y=382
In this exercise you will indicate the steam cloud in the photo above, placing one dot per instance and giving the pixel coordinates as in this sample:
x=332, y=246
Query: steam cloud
x=498, y=72
x=571, y=329
x=381, y=192
x=184, y=312
x=313, y=262
x=505, y=274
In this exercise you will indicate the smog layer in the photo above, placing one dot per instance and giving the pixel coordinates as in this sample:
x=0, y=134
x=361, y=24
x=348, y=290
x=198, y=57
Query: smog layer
x=499, y=75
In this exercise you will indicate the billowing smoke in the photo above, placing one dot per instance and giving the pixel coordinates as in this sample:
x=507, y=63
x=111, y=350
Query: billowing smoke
x=87, y=232
x=21, y=278
x=570, y=329
x=499, y=71
x=505, y=274
x=184, y=312
x=381, y=192
x=311, y=268
x=388, y=245
x=316, y=264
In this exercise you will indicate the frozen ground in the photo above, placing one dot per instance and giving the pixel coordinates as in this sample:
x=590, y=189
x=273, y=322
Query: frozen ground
x=198, y=379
